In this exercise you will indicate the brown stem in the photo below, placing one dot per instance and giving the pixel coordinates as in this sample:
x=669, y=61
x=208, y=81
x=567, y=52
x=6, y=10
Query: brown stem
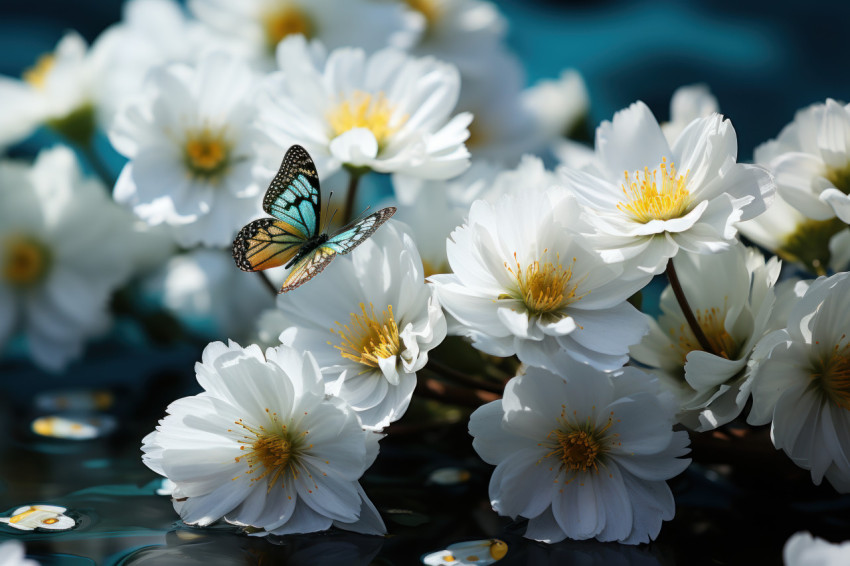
x=673, y=278
x=353, y=182
x=450, y=373
x=269, y=285
x=434, y=389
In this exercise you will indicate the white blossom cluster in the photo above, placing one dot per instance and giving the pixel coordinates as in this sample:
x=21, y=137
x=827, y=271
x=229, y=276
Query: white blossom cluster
x=488, y=245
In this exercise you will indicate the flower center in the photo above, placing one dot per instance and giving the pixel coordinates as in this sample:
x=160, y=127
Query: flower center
x=832, y=374
x=579, y=446
x=269, y=452
x=646, y=201
x=206, y=152
x=287, y=19
x=369, y=338
x=430, y=9
x=544, y=287
x=711, y=321
x=364, y=110
x=37, y=74
x=26, y=261
x=840, y=178
x=809, y=243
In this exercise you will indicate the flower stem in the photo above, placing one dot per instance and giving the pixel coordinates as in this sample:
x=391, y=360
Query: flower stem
x=268, y=283
x=431, y=388
x=451, y=374
x=673, y=278
x=353, y=183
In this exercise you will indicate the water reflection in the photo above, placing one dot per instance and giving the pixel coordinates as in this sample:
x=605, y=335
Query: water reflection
x=187, y=546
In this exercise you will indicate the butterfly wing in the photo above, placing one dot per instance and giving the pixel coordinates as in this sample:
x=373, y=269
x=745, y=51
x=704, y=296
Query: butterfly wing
x=356, y=233
x=293, y=195
x=308, y=267
x=266, y=243
x=340, y=243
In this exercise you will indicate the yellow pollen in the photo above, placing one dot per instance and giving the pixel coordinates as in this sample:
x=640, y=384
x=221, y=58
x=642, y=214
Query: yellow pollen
x=23, y=515
x=25, y=261
x=50, y=521
x=269, y=452
x=544, y=287
x=364, y=110
x=580, y=446
x=645, y=201
x=430, y=9
x=206, y=152
x=368, y=338
x=712, y=322
x=37, y=74
x=498, y=549
x=832, y=374
x=285, y=20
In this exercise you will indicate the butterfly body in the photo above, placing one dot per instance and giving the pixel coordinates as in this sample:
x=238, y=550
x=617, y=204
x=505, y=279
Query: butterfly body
x=307, y=249
x=292, y=238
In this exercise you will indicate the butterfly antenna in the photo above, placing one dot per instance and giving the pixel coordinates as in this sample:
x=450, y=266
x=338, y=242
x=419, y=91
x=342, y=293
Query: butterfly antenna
x=365, y=210
x=328, y=219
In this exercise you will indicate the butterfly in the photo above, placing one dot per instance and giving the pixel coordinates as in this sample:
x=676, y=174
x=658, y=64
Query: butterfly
x=292, y=238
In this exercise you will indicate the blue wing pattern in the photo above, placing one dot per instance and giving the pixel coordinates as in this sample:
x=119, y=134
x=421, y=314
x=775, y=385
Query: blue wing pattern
x=294, y=196
x=355, y=234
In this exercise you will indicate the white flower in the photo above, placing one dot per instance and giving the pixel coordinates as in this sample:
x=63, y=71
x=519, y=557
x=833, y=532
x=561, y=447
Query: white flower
x=208, y=296
x=64, y=247
x=524, y=282
x=59, y=90
x=802, y=549
x=432, y=209
x=263, y=446
x=732, y=296
x=387, y=112
x=463, y=32
x=468, y=553
x=652, y=199
x=32, y=517
x=811, y=161
x=370, y=320
x=12, y=554
x=687, y=104
x=151, y=33
x=197, y=159
x=558, y=105
x=255, y=27
x=802, y=386
x=581, y=453
x=788, y=233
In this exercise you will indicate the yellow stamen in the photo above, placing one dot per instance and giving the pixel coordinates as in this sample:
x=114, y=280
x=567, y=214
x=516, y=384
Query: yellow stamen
x=26, y=261
x=832, y=374
x=272, y=451
x=645, y=201
x=544, y=287
x=285, y=20
x=363, y=110
x=369, y=339
x=579, y=446
x=206, y=152
x=432, y=10
x=37, y=74
x=712, y=322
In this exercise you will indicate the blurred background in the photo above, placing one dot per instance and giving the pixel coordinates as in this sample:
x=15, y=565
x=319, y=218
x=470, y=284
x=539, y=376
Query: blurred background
x=763, y=60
